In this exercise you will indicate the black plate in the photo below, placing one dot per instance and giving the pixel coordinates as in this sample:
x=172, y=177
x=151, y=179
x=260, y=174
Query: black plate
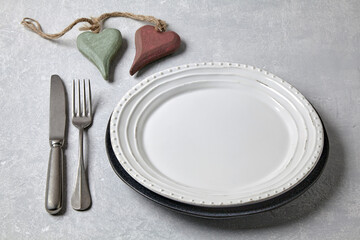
x=219, y=212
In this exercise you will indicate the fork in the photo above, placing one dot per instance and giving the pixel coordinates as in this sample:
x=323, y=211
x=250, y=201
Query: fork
x=81, y=118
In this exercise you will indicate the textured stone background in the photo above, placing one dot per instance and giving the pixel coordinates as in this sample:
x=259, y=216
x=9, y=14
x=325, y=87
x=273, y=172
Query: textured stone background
x=314, y=45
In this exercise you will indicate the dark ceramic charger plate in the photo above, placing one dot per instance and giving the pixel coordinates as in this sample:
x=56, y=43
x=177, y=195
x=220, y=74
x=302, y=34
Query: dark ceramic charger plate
x=219, y=212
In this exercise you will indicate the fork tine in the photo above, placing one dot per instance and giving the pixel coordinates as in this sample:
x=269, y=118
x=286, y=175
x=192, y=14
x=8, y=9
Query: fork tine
x=78, y=91
x=73, y=98
x=89, y=95
x=84, y=99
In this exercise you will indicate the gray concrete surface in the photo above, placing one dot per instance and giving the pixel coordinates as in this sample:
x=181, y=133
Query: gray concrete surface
x=314, y=45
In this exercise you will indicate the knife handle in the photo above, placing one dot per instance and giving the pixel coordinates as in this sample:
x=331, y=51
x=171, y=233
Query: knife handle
x=54, y=182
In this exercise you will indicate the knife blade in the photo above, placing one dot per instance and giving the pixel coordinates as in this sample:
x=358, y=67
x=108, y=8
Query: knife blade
x=57, y=125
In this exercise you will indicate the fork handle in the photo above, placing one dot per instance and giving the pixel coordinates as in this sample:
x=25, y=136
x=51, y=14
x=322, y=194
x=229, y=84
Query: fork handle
x=81, y=198
x=54, y=182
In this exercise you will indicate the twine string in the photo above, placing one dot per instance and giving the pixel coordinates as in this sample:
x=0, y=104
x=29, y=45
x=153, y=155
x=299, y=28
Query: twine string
x=94, y=24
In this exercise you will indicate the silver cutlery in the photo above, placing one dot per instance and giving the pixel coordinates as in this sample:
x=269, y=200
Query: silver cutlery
x=82, y=119
x=57, y=124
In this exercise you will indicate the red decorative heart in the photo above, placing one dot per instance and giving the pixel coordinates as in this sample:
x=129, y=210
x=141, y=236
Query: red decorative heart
x=152, y=45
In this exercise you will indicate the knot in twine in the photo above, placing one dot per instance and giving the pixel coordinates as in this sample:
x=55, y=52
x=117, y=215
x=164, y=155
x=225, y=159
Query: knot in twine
x=94, y=24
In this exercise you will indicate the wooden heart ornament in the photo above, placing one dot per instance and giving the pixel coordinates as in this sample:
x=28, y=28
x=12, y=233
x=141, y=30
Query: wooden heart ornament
x=100, y=48
x=151, y=45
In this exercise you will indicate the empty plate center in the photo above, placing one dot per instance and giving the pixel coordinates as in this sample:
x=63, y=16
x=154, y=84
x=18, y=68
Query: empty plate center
x=218, y=138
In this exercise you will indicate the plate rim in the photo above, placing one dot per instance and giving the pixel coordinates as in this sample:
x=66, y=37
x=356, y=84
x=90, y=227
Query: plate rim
x=226, y=211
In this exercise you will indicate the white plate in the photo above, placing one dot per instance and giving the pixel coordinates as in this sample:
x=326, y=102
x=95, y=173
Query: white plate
x=216, y=134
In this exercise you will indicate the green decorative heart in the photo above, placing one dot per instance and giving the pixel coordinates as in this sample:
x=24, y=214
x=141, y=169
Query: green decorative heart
x=100, y=48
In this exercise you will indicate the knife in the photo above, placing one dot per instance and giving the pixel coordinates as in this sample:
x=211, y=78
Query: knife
x=57, y=124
